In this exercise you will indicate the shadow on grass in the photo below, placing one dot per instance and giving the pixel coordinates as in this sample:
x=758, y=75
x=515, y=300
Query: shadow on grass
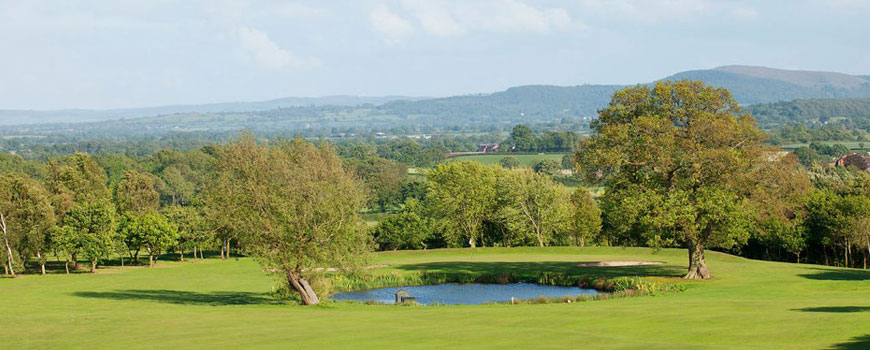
x=533, y=268
x=857, y=343
x=182, y=297
x=837, y=309
x=837, y=275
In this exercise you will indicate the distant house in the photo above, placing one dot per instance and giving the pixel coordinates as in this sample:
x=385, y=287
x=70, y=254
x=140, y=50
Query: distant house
x=855, y=160
x=487, y=147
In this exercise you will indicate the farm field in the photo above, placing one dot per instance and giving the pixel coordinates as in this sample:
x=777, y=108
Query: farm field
x=852, y=145
x=226, y=304
x=526, y=160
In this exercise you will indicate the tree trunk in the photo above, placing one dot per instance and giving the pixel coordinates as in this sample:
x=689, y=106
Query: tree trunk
x=150, y=259
x=75, y=261
x=66, y=266
x=181, y=254
x=309, y=297
x=228, y=249
x=201, y=257
x=222, y=251
x=697, y=265
x=9, y=259
x=194, y=252
x=122, y=260
x=41, y=262
x=94, y=265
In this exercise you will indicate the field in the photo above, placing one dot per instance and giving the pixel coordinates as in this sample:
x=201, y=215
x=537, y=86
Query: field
x=526, y=160
x=226, y=304
x=852, y=145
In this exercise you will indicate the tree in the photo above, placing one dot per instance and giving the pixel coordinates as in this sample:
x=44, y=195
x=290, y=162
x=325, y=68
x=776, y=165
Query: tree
x=155, y=231
x=295, y=206
x=406, y=230
x=679, y=150
x=523, y=139
x=92, y=226
x=547, y=167
x=26, y=216
x=192, y=233
x=585, y=217
x=568, y=162
x=533, y=205
x=465, y=192
x=135, y=193
x=509, y=162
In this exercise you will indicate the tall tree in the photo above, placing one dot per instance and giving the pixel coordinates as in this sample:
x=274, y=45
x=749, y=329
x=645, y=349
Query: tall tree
x=153, y=231
x=679, y=150
x=465, y=192
x=92, y=226
x=585, y=217
x=295, y=206
x=27, y=218
x=533, y=205
x=136, y=194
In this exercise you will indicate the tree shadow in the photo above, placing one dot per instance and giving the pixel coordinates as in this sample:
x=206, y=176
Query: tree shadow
x=861, y=342
x=183, y=297
x=837, y=274
x=533, y=268
x=835, y=309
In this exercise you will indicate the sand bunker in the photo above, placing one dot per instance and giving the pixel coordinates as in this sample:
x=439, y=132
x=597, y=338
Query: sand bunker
x=618, y=263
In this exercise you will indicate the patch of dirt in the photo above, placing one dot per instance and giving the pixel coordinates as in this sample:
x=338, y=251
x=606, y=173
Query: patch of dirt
x=618, y=263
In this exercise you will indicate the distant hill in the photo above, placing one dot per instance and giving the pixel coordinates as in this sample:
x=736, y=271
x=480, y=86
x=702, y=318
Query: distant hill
x=532, y=104
x=810, y=111
x=89, y=115
x=751, y=85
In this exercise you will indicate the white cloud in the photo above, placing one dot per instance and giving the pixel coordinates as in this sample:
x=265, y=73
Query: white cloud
x=456, y=17
x=389, y=24
x=298, y=10
x=257, y=45
x=644, y=11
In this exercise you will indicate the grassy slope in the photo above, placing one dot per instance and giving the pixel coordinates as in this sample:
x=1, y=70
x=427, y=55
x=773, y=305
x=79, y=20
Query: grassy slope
x=526, y=160
x=215, y=304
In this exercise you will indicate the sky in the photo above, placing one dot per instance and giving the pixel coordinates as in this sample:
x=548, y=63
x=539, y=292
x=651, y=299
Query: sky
x=120, y=54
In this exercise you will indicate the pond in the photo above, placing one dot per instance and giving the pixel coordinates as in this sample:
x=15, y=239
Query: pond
x=451, y=293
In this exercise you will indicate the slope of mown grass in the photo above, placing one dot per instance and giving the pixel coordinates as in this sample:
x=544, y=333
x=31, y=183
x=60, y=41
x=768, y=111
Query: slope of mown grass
x=225, y=304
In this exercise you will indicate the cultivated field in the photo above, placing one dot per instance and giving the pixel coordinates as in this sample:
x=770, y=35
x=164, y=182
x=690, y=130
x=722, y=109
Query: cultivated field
x=526, y=160
x=226, y=304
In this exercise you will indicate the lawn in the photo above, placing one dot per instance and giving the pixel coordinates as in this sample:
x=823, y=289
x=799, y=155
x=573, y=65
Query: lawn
x=225, y=304
x=526, y=160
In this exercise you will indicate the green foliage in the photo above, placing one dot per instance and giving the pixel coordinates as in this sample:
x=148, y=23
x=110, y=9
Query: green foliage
x=465, y=192
x=534, y=209
x=585, y=220
x=135, y=193
x=294, y=206
x=671, y=156
x=547, y=167
x=90, y=231
x=509, y=162
x=406, y=230
x=28, y=217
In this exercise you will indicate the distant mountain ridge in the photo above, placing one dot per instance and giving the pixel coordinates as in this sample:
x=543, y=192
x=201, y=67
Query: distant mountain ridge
x=531, y=103
x=90, y=115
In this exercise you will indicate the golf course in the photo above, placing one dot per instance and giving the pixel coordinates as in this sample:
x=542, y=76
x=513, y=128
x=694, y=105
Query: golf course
x=228, y=304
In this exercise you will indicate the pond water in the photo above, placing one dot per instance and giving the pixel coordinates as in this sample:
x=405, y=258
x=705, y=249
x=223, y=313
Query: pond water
x=451, y=293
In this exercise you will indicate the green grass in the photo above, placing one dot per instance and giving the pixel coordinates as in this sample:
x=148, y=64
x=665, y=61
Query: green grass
x=526, y=160
x=226, y=304
x=852, y=145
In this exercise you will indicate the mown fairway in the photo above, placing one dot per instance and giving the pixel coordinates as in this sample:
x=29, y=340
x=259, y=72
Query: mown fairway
x=225, y=304
x=526, y=160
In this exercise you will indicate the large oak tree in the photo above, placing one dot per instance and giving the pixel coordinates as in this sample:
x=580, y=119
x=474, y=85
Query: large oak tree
x=674, y=156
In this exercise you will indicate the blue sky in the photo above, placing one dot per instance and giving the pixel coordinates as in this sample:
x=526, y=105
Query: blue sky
x=114, y=53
